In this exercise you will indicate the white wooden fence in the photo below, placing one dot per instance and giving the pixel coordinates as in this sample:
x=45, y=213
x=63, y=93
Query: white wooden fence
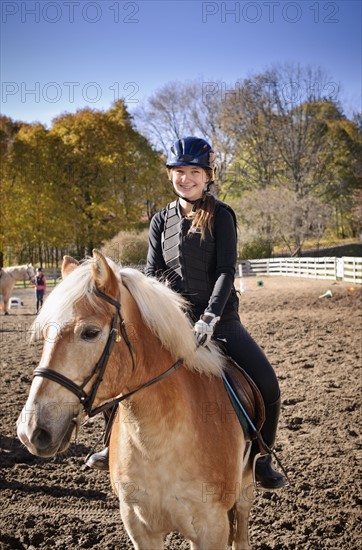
x=344, y=269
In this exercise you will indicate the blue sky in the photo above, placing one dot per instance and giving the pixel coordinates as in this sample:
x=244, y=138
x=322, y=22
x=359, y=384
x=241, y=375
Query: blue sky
x=61, y=55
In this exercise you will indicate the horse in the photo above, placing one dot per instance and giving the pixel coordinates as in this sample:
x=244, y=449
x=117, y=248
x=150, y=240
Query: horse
x=9, y=276
x=178, y=459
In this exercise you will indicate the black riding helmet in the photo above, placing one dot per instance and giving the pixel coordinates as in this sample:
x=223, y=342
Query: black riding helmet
x=191, y=151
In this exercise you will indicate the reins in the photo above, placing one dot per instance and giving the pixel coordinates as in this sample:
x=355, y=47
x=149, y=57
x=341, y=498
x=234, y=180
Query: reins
x=87, y=400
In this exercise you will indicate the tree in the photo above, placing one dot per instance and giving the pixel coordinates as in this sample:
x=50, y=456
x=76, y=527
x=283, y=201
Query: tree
x=288, y=131
x=138, y=172
x=248, y=119
x=30, y=215
x=276, y=214
x=70, y=188
x=109, y=165
x=345, y=174
x=165, y=117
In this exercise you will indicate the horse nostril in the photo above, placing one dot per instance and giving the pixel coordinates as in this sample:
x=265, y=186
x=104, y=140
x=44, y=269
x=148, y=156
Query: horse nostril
x=41, y=438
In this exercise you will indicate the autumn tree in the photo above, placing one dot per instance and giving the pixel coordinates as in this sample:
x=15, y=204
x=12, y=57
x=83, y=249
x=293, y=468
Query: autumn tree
x=108, y=165
x=278, y=214
x=74, y=186
x=30, y=191
x=341, y=189
x=287, y=131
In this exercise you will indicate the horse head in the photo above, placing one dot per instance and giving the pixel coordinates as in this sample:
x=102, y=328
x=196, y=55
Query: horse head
x=75, y=325
x=30, y=271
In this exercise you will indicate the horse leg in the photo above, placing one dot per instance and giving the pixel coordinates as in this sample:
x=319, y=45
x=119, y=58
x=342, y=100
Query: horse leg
x=213, y=534
x=242, y=507
x=154, y=542
x=142, y=538
x=6, y=299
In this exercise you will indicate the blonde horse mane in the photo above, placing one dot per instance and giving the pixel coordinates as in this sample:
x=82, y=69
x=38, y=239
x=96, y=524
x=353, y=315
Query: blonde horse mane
x=162, y=310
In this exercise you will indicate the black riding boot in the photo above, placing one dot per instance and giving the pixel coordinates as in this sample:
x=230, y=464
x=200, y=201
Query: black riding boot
x=100, y=461
x=265, y=474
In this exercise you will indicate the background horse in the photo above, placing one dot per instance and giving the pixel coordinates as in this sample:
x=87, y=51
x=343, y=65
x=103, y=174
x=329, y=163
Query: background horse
x=177, y=460
x=9, y=276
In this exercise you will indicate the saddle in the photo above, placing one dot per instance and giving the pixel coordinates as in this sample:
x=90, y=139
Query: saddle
x=247, y=393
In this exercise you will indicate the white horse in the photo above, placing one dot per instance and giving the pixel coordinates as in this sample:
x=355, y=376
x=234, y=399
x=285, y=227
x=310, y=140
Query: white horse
x=9, y=276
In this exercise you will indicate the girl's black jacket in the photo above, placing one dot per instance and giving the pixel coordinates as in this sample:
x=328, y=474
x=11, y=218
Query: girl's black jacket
x=202, y=270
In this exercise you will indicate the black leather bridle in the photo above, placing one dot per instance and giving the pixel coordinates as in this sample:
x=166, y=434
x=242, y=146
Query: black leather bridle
x=87, y=400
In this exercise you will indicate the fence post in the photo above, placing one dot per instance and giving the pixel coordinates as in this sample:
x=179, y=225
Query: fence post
x=339, y=268
x=241, y=282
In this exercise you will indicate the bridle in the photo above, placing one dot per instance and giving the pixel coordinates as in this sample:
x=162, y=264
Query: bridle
x=85, y=399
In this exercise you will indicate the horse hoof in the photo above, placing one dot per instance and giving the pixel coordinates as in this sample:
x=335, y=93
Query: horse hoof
x=6, y=313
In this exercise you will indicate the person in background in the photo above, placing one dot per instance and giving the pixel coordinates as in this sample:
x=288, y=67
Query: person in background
x=40, y=288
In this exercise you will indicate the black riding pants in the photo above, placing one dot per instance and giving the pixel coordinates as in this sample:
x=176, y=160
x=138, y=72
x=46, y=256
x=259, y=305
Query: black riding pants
x=245, y=351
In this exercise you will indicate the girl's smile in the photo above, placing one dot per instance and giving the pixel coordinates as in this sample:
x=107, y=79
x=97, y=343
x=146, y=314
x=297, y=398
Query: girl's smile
x=189, y=181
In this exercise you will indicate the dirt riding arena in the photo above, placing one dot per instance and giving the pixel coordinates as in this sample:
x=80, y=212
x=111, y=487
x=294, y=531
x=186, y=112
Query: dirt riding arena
x=315, y=346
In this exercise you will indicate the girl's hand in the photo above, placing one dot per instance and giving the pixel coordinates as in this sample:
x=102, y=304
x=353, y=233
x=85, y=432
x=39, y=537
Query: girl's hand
x=204, y=328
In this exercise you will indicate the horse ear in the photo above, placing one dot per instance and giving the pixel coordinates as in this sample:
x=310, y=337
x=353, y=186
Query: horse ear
x=104, y=278
x=69, y=264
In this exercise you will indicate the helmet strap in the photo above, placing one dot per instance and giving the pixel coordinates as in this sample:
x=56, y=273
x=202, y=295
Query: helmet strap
x=183, y=198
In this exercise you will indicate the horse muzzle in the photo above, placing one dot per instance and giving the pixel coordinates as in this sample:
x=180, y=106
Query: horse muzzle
x=43, y=439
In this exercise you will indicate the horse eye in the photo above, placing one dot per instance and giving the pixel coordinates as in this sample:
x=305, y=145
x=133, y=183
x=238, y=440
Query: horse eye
x=90, y=333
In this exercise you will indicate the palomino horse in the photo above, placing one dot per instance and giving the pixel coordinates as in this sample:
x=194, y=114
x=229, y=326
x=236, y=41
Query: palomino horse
x=177, y=460
x=9, y=276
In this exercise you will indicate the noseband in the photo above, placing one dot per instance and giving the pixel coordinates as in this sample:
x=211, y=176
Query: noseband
x=87, y=400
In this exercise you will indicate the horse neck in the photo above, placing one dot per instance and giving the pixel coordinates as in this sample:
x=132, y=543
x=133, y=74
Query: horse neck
x=168, y=410
x=17, y=272
x=158, y=413
x=169, y=406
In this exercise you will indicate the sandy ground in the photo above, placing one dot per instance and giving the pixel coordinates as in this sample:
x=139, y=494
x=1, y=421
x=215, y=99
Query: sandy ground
x=315, y=346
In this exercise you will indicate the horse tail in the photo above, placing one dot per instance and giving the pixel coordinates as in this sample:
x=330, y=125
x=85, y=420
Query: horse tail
x=232, y=524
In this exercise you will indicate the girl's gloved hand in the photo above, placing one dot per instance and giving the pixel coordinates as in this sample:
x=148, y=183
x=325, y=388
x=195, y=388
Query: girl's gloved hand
x=204, y=328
